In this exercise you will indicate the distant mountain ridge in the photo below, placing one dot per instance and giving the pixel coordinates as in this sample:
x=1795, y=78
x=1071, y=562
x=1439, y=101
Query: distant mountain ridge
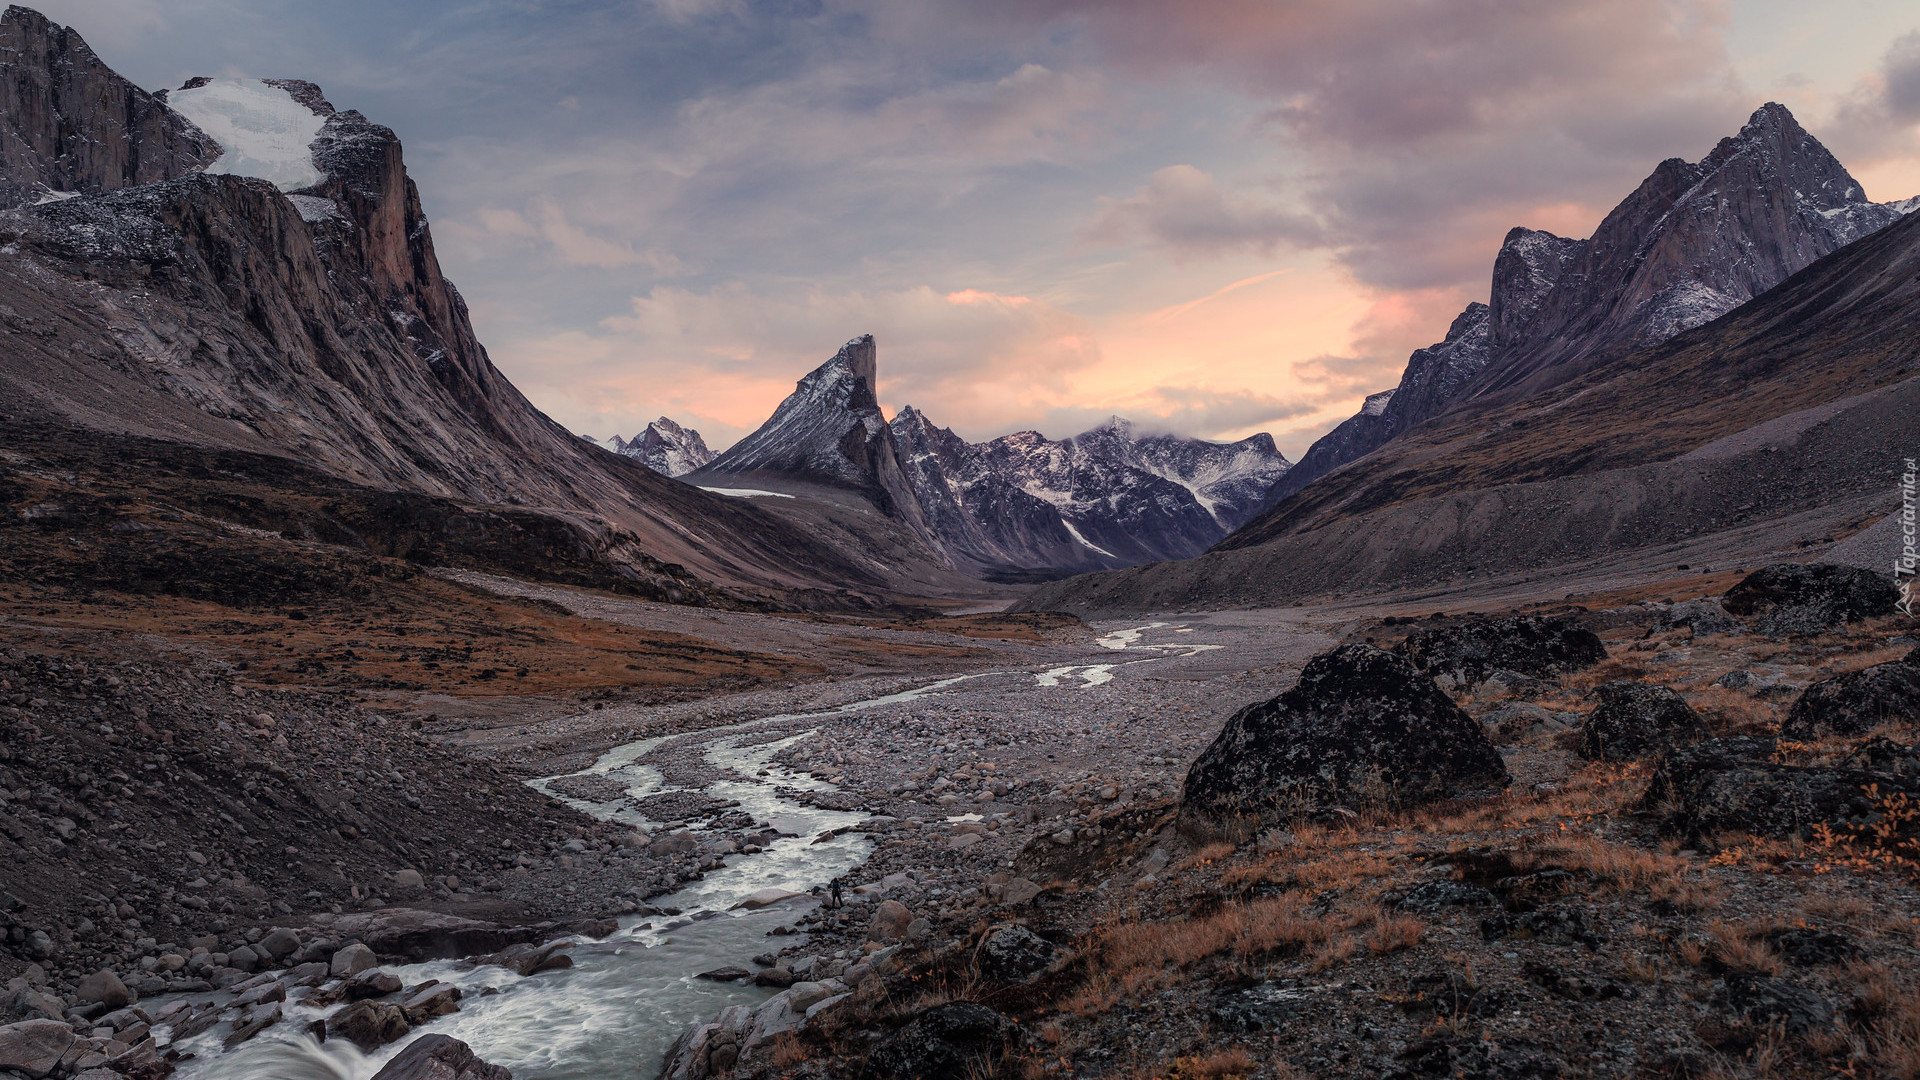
x=1691, y=243
x=663, y=446
x=1017, y=506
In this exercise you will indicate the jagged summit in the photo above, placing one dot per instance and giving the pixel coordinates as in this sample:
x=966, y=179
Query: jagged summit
x=663, y=446
x=1694, y=241
x=828, y=429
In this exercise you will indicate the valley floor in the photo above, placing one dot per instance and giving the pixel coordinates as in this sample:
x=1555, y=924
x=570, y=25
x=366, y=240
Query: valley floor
x=1000, y=770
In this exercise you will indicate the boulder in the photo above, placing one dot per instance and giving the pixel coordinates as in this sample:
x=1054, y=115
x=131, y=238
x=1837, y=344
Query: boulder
x=103, y=987
x=409, y=880
x=1636, y=719
x=430, y=1000
x=252, y=1022
x=765, y=898
x=368, y=1025
x=440, y=1057
x=1814, y=595
x=1537, y=646
x=1015, y=954
x=428, y=935
x=244, y=958
x=1732, y=785
x=279, y=943
x=1857, y=702
x=890, y=922
x=1704, y=617
x=1765, y=1003
x=371, y=983
x=529, y=959
x=352, y=960
x=805, y=995
x=1361, y=727
x=954, y=1041
x=34, y=1047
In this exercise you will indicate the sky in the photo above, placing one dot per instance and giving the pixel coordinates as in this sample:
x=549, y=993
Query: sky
x=1214, y=217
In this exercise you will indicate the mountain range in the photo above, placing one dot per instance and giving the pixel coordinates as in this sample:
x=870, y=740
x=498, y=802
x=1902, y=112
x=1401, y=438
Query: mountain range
x=1724, y=371
x=1018, y=507
x=663, y=446
x=1691, y=243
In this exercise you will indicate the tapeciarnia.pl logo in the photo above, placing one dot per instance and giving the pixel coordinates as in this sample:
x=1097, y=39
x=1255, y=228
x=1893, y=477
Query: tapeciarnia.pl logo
x=1903, y=564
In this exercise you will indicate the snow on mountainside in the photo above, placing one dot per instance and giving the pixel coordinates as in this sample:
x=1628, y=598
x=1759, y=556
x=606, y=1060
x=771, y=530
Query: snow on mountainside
x=664, y=446
x=264, y=131
x=1692, y=243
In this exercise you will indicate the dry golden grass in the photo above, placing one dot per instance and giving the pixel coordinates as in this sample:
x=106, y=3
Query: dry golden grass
x=1742, y=947
x=1226, y=1064
x=1734, y=712
x=1391, y=933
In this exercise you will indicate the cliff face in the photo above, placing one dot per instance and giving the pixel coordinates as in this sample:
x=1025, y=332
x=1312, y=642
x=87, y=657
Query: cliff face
x=220, y=311
x=1691, y=243
x=69, y=124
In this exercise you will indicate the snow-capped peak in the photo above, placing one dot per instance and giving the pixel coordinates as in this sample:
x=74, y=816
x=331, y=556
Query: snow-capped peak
x=264, y=131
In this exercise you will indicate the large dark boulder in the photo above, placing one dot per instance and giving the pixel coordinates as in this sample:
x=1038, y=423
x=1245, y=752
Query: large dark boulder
x=1808, y=598
x=1361, y=727
x=368, y=1025
x=955, y=1041
x=1857, y=702
x=1734, y=785
x=439, y=1057
x=1015, y=954
x=1636, y=719
x=1535, y=645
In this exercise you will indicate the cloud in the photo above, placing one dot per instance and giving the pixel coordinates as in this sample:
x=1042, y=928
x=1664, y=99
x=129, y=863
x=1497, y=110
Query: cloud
x=1182, y=210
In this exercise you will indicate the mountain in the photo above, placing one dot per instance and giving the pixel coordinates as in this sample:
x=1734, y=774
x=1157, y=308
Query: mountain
x=277, y=296
x=1770, y=431
x=1014, y=508
x=1105, y=497
x=1691, y=243
x=664, y=446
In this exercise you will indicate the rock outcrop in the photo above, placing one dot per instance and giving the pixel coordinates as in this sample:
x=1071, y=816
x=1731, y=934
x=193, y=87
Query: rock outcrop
x=1734, y=785
x=1818, y=594
x=1537, y=646
x=953, y=1041
x=1857, y=702
x=1636, y=719
x=665, y=447
x=1362, y=727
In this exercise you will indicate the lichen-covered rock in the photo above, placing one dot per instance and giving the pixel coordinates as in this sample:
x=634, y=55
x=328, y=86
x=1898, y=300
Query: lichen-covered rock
x=1533, y=645
x=1857, y=702
x=34, y=1047
x=1807, y=598
x=954, y=1041
x=440, y=1057
x=1361, y=727
x=1766, y=1003
x=1733, y=785
x=1015, y=954
x=1636, y=719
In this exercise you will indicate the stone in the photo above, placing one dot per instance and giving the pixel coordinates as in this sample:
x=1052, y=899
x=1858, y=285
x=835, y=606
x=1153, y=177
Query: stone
x=802, y=995
x=371, y=983
x=243, y=958
x=1015, y=954
x=1764, y=1002
x=253, y=1022
x=1806, y=947
x=1018, y=891
x=1433, y=897
x=529, y=959
x=279, y=943
x=1362, y=727
x=765, y=898
x=409, y=879
x=273, y=991
x=1824, y=593
x=368, y=1024
x=1857, y=702
x=954, y=1041
x=352, y=960
x=34, y=1047
x=103, y=987
x=429, y=935
x=777, y=977
x=39, y=945
x=729, y=973
x=890, y=921
x=1536, y=646
x=430, y=1000
x=440, y=1057
x=312, y=974
x=1636, y=719
x=1704, y=617
x=1732, y=785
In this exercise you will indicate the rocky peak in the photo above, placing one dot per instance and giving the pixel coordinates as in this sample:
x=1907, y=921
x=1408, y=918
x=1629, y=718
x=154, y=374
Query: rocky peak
x=70, y=125
x=1530, y=263
x=669, y=449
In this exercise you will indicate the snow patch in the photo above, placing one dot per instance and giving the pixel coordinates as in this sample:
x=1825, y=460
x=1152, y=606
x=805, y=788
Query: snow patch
x=1377, y=403
x=1084, y=542
x=264, y=131
x=748, y=493
x=315, y=208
